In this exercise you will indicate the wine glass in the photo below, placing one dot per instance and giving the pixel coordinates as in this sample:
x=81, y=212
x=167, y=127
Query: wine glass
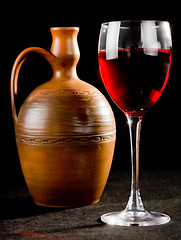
x=134, y=62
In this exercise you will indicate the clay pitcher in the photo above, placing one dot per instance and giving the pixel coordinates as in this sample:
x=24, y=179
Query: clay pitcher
x=65, y=129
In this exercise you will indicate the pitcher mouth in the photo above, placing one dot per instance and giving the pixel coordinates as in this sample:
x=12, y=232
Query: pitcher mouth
x=64, y=28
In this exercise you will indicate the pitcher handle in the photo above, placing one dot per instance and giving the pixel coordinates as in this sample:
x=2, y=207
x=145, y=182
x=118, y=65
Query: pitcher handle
x=16, y=67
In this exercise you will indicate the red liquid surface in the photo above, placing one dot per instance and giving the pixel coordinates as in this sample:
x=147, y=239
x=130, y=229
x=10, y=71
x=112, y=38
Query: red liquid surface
x=135, y=79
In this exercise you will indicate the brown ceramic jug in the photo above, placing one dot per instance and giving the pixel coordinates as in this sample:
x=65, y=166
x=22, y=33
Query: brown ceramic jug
x=65, y=129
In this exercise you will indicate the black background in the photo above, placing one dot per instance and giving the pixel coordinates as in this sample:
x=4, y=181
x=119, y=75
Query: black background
x=28, y=24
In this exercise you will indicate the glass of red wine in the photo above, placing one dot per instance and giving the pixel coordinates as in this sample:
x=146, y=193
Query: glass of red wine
x=134, y=62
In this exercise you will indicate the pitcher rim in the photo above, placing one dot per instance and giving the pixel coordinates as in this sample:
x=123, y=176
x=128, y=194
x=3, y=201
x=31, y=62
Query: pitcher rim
x=64, y=28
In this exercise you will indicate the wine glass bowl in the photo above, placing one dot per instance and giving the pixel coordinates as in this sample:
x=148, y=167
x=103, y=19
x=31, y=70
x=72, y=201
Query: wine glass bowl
x=134, y=62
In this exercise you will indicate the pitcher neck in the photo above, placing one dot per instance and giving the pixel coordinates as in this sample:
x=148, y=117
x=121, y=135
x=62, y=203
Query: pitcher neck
x=65, y=49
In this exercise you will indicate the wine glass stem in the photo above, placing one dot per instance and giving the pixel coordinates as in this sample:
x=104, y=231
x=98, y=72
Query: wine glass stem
x=135, y=202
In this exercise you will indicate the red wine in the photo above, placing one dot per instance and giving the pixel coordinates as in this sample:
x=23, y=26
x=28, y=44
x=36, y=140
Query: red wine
x=135, y=79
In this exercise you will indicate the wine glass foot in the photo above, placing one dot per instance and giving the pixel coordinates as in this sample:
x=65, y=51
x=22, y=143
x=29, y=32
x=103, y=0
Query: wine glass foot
x=135, y=218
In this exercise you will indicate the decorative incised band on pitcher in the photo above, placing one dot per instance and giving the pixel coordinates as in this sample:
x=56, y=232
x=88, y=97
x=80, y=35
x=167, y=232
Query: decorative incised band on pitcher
x=62, y=140
x=91, y=92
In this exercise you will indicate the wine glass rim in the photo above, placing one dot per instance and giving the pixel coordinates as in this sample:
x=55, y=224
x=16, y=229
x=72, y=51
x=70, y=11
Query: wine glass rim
x=105, y=24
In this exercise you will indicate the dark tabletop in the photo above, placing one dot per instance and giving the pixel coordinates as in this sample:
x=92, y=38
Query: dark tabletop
x=20, y=218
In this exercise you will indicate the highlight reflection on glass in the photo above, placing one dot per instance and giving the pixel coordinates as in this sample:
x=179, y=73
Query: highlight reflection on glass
x=134, y=62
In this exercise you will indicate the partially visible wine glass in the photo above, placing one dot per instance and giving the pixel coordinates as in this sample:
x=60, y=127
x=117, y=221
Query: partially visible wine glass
x=134, y=61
